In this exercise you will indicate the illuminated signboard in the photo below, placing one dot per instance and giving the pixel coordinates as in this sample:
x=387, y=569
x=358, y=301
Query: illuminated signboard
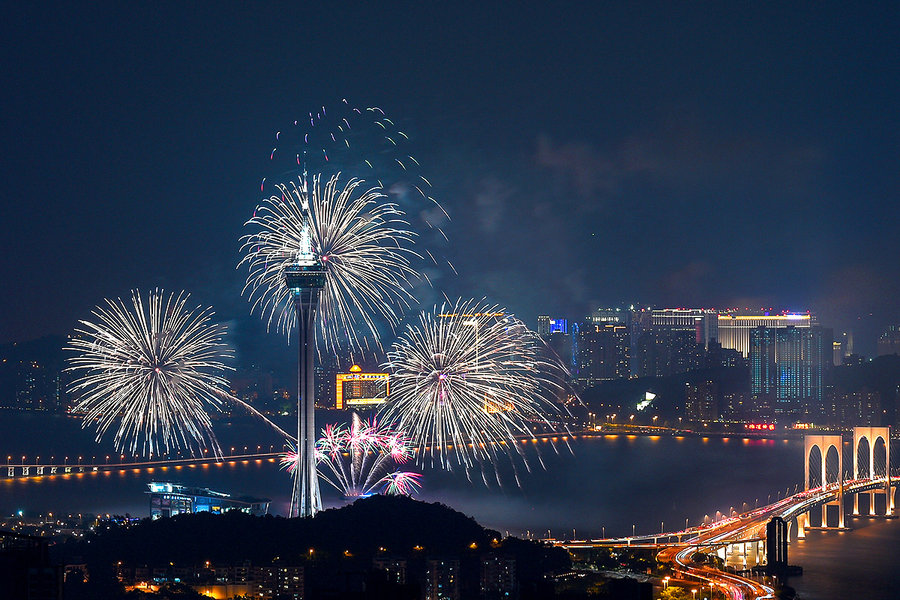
x=759, y=426
x=360, y=389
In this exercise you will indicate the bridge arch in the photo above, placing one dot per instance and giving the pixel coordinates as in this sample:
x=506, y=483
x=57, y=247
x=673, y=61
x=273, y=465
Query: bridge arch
x=861, y=459
x=833, y=467
x=822, y=447
x=872, y=460
x=829, y=450
x=813, y=468
x=879, y=458
x=867, y=438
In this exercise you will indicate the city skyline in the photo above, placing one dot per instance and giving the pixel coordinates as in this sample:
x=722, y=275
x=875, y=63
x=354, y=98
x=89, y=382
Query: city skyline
x=726, y=158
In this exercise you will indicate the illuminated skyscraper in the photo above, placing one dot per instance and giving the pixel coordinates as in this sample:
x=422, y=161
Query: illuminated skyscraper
x=733, y=329
x=788, y=366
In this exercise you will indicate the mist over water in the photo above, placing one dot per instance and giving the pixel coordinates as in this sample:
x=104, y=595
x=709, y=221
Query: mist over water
x=606, y=483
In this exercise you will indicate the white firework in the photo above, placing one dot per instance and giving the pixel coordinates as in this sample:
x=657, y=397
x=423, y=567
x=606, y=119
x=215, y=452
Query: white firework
x=362, y=241
x=468, y=382
x=152, y=369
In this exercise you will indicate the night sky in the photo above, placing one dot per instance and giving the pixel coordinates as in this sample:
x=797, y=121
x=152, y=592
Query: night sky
x=674, y=154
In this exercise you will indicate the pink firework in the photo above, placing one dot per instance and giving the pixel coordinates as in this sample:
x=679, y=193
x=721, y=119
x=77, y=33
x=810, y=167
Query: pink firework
x=359, y=460
x=290, y=459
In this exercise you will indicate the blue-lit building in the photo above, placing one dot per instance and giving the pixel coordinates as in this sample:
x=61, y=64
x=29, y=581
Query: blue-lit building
x=788, y=366
x=170, y=499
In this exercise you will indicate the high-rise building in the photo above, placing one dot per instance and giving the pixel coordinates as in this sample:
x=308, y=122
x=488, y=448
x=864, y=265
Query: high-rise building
x=442, y=579
x=788, y=366
x=733, y=329
x=889, y=341
x=701, y=402
x=664, y=351
x=543, y=325
x=604, y=352
x=360, y=390
x=393, y=567
x=702, y=321
x=671, y=340
x=561, y=345
x=498, y=577
x=861, y=408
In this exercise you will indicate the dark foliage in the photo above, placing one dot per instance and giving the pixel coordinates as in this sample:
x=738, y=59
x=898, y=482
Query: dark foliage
x=343, y=541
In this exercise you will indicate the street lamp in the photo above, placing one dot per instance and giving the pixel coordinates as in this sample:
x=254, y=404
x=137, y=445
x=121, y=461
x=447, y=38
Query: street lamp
x=694, y=592
x=666, y=582
x=632, y=529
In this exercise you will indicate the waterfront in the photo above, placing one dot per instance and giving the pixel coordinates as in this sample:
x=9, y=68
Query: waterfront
x=656, y=482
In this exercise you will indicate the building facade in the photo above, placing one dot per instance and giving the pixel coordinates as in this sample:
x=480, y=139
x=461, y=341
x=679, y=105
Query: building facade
x=733, y=328
x=360, y=390
x=788, y=367
x=170, y=499
x=604, y=352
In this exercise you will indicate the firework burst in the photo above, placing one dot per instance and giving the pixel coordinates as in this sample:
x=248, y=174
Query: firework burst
x=362, y=459
x=155, y=368
x=366, y=143
x=467, y=381
x=360, y=239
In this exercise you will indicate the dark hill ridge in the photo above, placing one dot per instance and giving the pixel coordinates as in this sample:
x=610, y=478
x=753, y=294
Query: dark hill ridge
x=392, y=522
x=344, y=542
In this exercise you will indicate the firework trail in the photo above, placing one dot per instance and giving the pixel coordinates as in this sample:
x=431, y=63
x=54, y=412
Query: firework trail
x=155, y=367
x=362, y=241
x=467, y=382
x=364, y=143
x=361, y=459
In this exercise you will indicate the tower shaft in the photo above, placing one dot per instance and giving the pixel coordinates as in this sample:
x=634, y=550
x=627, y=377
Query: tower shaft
x=306, y=500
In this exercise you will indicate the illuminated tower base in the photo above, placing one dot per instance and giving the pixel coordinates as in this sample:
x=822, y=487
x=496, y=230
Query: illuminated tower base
x=305, y=279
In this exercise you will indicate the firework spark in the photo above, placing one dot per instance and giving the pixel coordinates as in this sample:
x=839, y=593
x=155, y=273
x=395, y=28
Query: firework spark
x=358, y=460
x=361, y=240
x=467, y=382
x=155, y=367
x=366, y=143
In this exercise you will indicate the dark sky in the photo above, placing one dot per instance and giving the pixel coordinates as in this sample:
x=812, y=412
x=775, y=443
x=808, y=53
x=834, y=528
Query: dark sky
x=678, y=154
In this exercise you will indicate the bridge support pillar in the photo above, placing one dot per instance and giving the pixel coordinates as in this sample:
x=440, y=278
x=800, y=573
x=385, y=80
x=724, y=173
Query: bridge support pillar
x=801, y=525
x=855, y=504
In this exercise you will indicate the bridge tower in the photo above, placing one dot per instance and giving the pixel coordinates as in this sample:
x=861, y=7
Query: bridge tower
x=871, y=436
x=824, y=444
